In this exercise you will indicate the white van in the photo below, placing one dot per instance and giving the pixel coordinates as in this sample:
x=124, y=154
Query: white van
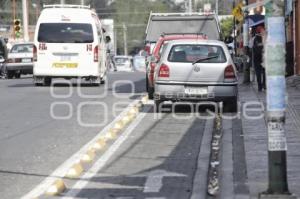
x=69, y=43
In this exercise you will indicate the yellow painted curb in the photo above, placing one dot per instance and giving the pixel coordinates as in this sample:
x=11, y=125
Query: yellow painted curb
x=126, y=120
x=145, y=99
x=89, y=156
x=100, y=144
x=139, y=105
x=133, y=110
x=112, y=134
x=119, y=125
x=75, y=171
x=56, y=188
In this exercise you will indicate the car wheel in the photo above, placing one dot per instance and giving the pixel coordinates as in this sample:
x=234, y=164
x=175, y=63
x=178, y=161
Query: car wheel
x=230, y=106
x=147, y=83
x=157, y=106
x=47, y=81
x=17, y=75
x=10, y=74
x=38, y=84
x=103, y=80
x=150, y=92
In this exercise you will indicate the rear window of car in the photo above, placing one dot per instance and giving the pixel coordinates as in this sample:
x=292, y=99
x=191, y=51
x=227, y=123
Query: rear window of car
x=188, y=53
x=65, y=33
x=23, y=48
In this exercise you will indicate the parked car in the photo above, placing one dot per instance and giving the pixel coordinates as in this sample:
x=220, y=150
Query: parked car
x=196, y=70
x=156, y=53
x=20, y=60
x=123, y=63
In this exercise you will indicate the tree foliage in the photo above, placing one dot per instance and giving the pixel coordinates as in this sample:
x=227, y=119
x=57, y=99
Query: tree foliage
x=227, y=26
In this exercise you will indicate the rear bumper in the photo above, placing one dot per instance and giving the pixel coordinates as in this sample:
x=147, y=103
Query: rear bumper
x=19, y=66
x=176, y=91
x=67, y=72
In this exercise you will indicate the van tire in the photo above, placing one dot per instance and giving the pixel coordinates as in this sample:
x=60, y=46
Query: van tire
x=10, y=74
x=47, y=81
x=103, y=80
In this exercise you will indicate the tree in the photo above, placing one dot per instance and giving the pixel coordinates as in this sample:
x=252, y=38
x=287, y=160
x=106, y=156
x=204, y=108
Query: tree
x=227, y=26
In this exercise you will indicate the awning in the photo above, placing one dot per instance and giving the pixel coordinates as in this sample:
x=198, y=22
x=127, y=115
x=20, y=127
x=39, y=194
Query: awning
x=254, y=20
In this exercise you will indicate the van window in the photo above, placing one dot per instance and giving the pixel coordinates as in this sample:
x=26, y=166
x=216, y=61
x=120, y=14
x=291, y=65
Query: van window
x=65, y=33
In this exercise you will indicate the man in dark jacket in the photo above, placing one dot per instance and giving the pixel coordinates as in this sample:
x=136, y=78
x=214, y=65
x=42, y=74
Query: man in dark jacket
x=258, y=46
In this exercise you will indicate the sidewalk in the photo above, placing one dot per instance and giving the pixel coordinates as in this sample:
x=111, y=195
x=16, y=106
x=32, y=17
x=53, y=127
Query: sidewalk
x=255, y=139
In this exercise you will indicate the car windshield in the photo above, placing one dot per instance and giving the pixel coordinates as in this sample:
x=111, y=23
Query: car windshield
x=191, y=53
x=22, y=48
x=65, y=33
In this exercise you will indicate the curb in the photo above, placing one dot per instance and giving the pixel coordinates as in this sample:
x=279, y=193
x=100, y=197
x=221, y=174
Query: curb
x=75, y=171
x=56, y=188
x=89, y=156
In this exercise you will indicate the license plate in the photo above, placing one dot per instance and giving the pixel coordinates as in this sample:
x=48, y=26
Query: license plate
x=26, y=60
x=65, y=65
x=65, y=58
x=196, y=90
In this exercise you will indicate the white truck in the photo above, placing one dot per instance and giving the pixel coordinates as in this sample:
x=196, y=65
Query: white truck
x=166, y=23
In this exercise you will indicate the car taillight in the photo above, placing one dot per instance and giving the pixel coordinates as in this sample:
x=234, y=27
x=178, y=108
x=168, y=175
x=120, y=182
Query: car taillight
x=34, y=53
x=164, y=71
x=96, y=54
x=229, y=72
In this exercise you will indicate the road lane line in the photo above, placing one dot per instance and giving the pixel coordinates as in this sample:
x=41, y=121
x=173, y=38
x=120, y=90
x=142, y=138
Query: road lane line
x=61, y=171
x=101, y=162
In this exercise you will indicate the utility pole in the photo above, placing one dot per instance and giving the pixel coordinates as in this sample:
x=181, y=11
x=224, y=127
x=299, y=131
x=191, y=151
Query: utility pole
x=82, y=2
x=190, y=6
x=297, y=37
x=14, y=16
x=217, y=7
x=274, y=60
x=62, y=1
x=125, y=39
x=234, y=30
x=25, y=20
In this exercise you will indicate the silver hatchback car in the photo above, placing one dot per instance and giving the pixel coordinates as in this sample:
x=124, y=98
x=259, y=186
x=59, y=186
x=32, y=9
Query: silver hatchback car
x=195, y=71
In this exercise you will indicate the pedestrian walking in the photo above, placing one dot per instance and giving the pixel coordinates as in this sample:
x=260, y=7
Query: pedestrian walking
x=258, y=47
x=110, y=53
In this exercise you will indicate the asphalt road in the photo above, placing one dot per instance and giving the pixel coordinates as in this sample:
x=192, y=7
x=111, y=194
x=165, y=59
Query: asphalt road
x=40, y=129
x=33, y=143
